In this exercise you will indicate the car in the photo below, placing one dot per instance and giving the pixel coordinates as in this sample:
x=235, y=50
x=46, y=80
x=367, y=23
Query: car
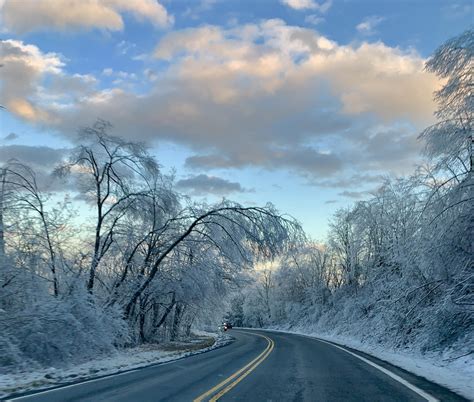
x=227, y=325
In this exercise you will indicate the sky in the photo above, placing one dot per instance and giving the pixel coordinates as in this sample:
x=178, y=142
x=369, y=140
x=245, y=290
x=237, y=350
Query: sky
x=305, y=104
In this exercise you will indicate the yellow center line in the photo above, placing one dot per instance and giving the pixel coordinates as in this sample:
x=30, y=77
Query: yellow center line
x=244, y=371
x=233, y=384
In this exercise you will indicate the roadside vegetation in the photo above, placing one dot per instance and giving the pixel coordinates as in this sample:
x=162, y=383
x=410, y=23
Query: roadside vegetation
x=397, y=269
x=146, y=265
x=149, y=264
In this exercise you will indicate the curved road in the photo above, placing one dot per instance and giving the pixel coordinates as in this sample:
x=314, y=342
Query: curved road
x=259, y=366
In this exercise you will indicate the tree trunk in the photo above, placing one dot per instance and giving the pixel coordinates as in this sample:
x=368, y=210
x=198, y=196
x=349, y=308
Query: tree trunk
x=176, y=321
x=142, y=319
x=95, y=258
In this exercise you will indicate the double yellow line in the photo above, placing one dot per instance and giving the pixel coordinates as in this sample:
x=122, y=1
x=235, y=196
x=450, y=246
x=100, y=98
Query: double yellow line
x=230, y=382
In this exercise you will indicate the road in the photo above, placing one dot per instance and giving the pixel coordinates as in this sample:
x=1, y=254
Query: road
x=259, y=366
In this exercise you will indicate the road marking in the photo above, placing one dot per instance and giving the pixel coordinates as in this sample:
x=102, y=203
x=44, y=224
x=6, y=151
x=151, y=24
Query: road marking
x=61, y=387
x=239, y=375
x=233, y=384
x=104, y=377
x=392, y=375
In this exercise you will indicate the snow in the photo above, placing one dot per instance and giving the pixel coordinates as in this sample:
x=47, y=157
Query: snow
x=122, y=361
x=453, y=373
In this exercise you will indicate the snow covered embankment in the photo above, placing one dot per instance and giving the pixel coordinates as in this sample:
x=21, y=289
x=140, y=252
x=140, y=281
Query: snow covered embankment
x=121, y=361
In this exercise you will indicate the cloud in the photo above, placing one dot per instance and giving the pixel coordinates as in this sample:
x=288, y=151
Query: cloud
x=458, y=9
x=41, y=159
x=24, y=68
x=264, y=95
x=33, y=82
x=354, y=194
x=299, y=158
x=10, y=137
x=203, y=185
x=308, y=5
x=350, y=180
x=233, y=65
x=313, y=19
x=389, y=148
x=124, y=47
x=150, y=74
x=33, y=15
x=368, y=25
x=34, y=156
x=195, y=10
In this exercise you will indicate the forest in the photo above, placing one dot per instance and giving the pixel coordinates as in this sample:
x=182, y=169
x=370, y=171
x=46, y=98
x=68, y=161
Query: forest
x=397, y=268
x=149, y=263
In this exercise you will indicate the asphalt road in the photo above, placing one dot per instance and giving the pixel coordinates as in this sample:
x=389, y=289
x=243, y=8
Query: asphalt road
x=259, y=366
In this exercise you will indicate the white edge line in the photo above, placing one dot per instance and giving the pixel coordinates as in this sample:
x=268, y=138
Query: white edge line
x=392, y=375
x=105, y=377
x=47, y=391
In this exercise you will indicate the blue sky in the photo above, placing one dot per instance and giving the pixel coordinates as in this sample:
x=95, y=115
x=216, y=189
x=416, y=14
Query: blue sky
x=305, y=104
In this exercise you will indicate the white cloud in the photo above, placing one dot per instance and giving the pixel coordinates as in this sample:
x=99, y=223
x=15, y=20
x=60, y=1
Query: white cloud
x=195, y=10
x=313, y=19
x=368, y=25
x=308, y=5
x=324, y=7
x=458, y=9
x=268, y=95
x=32, y=15
x=366, y=78
x=24, y=67
x=124, y=47
x=299, y=4
x=32, y=81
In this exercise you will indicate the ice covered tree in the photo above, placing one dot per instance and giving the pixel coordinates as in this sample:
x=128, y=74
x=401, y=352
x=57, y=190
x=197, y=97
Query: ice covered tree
x=106, y=170
x=35, y=224
x=451, y=138
x=239, y=235
x=345, y=240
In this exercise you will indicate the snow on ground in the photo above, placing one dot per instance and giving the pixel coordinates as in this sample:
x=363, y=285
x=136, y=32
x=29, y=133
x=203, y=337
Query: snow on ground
x=447, y=369
x=123, y=360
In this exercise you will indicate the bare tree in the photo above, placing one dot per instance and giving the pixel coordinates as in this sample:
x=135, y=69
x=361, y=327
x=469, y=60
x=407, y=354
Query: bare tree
x=25, y=194
x=106, y=170
x=250, y=231
x=346, y=243
x=452, y=138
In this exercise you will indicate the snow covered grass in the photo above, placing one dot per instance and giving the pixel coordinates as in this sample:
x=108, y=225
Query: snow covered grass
x=446, y=369
x=120, y=361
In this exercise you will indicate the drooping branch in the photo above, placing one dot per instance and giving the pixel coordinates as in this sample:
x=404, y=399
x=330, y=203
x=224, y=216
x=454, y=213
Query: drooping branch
x=284, y=224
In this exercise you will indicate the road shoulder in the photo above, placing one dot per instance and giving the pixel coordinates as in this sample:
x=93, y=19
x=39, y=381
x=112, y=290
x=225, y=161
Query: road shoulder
x=123, y=361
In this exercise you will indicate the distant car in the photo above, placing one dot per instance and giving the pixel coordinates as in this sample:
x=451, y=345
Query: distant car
x=227, y=325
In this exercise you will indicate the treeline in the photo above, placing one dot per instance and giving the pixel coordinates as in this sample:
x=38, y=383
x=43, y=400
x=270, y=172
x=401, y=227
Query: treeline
x=399, y=267
x=128, y=260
